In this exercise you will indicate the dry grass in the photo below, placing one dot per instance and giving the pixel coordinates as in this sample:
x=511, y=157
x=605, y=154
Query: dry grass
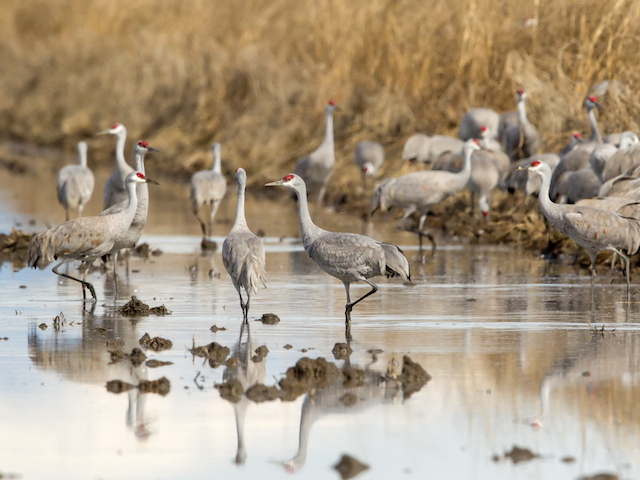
x=255, y=74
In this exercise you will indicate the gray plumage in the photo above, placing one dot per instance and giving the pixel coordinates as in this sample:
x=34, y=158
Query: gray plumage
x=317, y=167
x=593, y=229
x=114, y=189
x=369, y=157
x=474, y=119
x=574, y=186
x=207, y=189
x=427, y=149
x=243, y=253
x=421, y=191
x=488, y=140
x=84, y=239
x=75, y=183
x=520, y=139
x=574, y=141
x=626, y=156
x=346, y=256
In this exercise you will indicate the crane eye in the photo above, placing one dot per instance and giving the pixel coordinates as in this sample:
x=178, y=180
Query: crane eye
x=140, y=175
x=288, y=178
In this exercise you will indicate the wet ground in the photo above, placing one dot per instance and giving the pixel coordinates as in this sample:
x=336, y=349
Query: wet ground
x=504, y=335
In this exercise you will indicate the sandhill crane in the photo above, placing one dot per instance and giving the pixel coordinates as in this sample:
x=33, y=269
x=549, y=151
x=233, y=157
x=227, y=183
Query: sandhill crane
x=347, y=256
x=591, y=228
x=208, y=188
x=520, y=139
x=574, y=141
x=75, y=183
x=84, y=239
x=590, y=104
x=521, y=179
x=115, y=190
x=487, y=141
x=626, y=156
x=425, y=149
x=369, y=156
x=134, y=233
x=421, y=191
x=475, y=118
x=574, y=186
x=317, y=167
x=243, y=253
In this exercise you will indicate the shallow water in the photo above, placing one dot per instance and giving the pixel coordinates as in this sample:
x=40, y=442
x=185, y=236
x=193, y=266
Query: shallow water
x=503, y=334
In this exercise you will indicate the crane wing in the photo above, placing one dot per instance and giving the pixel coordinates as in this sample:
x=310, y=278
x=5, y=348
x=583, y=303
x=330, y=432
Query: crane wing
x=337, y=253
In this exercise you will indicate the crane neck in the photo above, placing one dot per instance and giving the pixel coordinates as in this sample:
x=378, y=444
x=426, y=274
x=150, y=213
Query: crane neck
x=551, y=210
x=308, y=229
x=240, y=410
x=307, y=418
x=522, y=111
x=82, y=154
x=132, y=205
x=120, y=160
x=240, y=218
x=139, y=159
x=596, y=136
x=466, y=163
x=217, y=164
x=328, y=129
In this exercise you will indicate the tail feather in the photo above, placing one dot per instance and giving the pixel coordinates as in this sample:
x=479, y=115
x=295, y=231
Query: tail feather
x=397, y=263
x=40, y=252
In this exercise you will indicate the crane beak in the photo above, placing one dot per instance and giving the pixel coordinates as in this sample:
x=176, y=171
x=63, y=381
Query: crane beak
x=274, y=184
x=599, y=106
x=522, y=168
x=151, y=149
x=104, y=132
x=152, y=181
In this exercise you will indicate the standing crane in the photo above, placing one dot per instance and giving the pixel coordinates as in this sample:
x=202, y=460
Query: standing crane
x=134, y=232
x=115, y=190
x=369, y=156
x=520, y=138
x=421, y=191
x=207, y=189
x=75, y=183
x=243, y=253
x=593, y=229
x=347, y=256
x=317, y=167
x=85, y=239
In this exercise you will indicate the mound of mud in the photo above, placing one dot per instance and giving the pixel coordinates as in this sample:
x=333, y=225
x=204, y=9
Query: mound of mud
x=137, y=308
x=157, y=344
x=13, y=247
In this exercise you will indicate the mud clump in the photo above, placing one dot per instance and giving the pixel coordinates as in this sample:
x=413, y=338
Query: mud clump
x=518, y=454
x=306, y=375
x=349, y=467
x=288, y=347
x=161, y=386
x=144, y=250
x=601, y=476
x=216, y=329
x=214, y=352
x=349, y=399
x=270, y=319
x=118, y=386
x=13, y=247
x=341, y=351
x=261, y=393
x=160, y=311
x=353, y=377
x=262, y=350
x=153, y=363
x=231, y=390
x=413, y=377
x=42, y=326
x=135, y=308
x=156, y=344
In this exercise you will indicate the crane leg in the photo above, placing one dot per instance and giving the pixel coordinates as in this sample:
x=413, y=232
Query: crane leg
x=212, y=216
x=242, y=306
x=349, y=306
x=66, y=214
x=627, y=261
x=431, y=239
x=83, y=281
x=115, y=271
x=593, y=268
x=323, y=190
x=246, y=310
x=202, y=225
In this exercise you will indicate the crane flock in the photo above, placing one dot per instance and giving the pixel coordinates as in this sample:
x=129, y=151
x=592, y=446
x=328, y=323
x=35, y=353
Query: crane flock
x=589, y=191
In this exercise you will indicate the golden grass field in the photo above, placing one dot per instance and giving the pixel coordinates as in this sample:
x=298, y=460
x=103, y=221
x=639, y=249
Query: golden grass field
x=256, y=74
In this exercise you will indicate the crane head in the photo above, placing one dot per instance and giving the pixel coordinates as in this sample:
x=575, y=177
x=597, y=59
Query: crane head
x=367, y=169
x=521, y=94
x=591, y=102
x=143, y=146
x=139, y=177
x=291, y=181
x=115, y=129
x=331, y=106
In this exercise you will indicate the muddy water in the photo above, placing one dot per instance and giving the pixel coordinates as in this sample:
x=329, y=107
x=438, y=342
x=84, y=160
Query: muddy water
x=503, y=334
